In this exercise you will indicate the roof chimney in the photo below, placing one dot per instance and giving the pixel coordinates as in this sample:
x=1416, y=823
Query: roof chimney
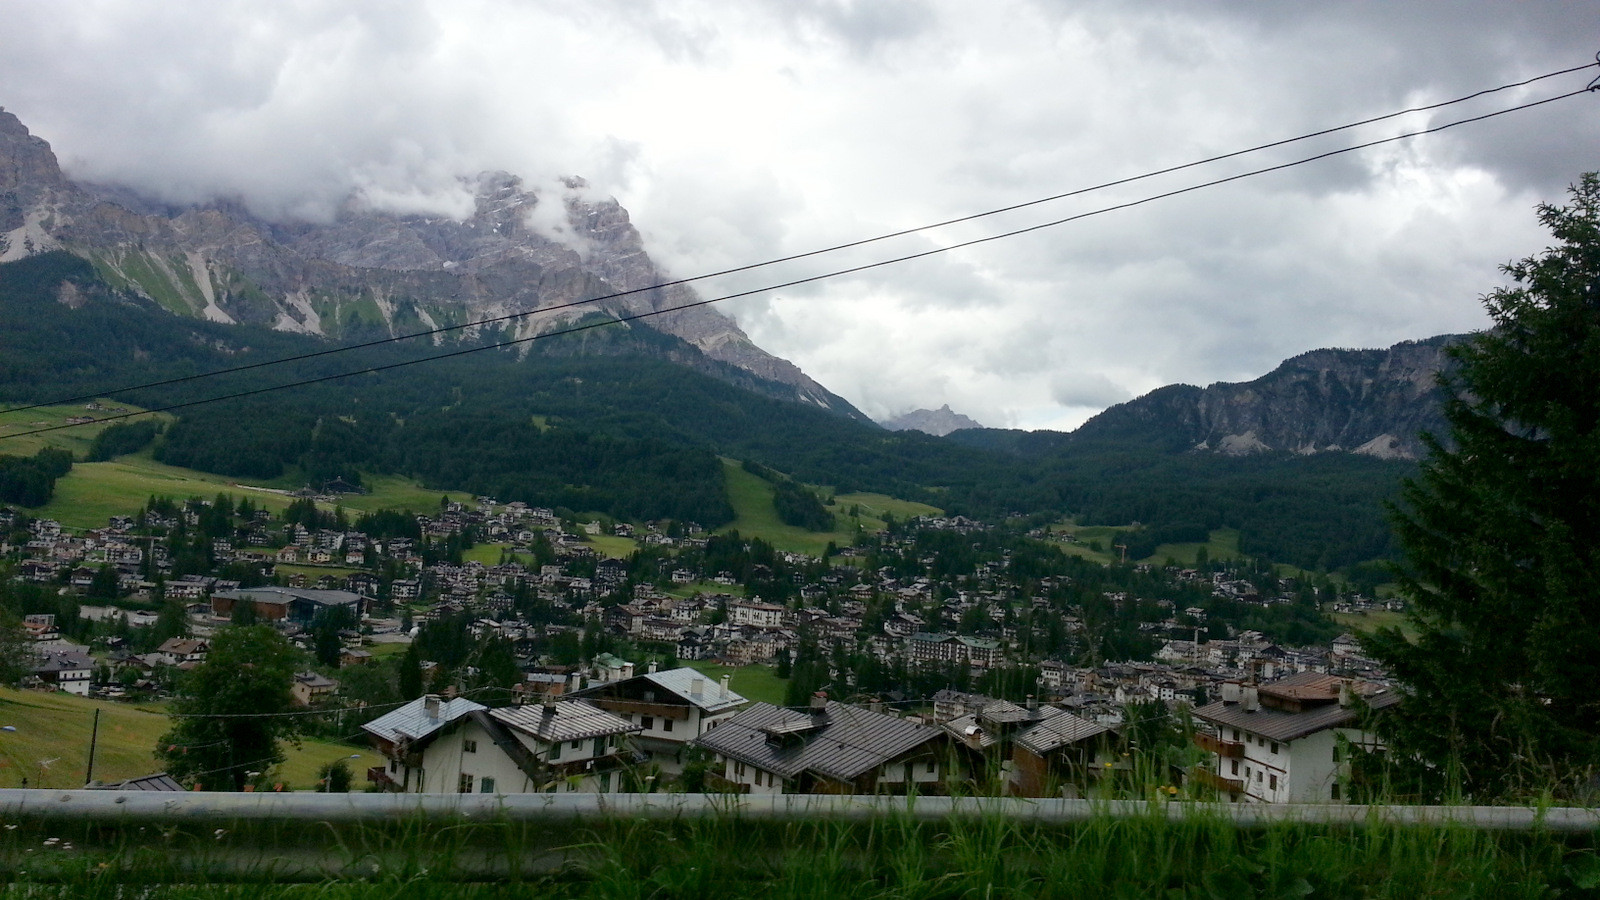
x=1347, y=695
x=575, y=682
x=1252, y=699
x=430, y=706
x=549, y=703
x=1033, y=702
x=697, y=686
x=725, y=686
x=1231, y=692
x=819, y=702
x=652, y=667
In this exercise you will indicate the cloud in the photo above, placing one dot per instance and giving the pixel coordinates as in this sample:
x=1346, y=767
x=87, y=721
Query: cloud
x=736, y=132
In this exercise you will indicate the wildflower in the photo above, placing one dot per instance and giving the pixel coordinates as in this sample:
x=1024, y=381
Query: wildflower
x=219, y=833
x=51, y=842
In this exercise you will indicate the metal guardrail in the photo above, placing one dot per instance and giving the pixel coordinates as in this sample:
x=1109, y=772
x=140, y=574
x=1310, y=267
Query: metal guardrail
x=110, y=807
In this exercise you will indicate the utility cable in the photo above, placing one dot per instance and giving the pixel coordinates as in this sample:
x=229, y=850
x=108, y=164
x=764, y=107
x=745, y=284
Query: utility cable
x=825, y=250
x=371, y=370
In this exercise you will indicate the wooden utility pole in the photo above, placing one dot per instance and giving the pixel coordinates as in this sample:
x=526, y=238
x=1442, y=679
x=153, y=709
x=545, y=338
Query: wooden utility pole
x=94, y=736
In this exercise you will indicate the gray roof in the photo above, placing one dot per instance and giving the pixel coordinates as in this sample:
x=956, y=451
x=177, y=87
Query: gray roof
x=564, y=720
x=160, y=781
x=411, y=722
x=284, y=595
x=1282, y=725
x=1058, y=729
x=680, y=683
x=710, y=698
x=847, y=742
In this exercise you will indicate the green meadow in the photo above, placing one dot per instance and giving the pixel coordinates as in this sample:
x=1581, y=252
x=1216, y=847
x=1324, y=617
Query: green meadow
x=752, y=495
x=50, y=746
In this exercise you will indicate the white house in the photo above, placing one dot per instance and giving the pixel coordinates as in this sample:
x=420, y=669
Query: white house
x=671, y=709
x=457, y=746
x=1284, y=742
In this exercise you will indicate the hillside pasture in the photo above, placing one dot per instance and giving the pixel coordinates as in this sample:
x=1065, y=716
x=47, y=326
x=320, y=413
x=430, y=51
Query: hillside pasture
x=55, y=729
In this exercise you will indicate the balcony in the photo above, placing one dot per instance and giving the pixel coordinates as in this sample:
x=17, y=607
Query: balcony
x=1222, y=748
x=1212, y=780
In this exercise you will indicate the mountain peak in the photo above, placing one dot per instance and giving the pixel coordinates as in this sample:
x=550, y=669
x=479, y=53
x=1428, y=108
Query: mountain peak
x=524, y=260
x=937, y=422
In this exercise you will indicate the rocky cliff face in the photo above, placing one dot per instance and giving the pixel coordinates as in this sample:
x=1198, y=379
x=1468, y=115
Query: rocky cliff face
x=371, y=274
x=1375, y=402
x=937, y=422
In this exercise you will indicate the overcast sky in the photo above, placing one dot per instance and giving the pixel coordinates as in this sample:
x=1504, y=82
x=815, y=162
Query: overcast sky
x=743, y=130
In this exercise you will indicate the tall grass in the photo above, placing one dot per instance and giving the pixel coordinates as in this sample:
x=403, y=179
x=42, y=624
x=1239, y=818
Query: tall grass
x=893, y=856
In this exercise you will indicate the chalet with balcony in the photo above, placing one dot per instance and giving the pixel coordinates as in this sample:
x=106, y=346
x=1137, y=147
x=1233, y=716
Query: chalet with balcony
x=1285, y=742
x=671, y=709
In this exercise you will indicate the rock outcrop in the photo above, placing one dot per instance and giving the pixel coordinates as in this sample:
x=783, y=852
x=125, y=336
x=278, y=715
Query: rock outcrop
x=937, y=422
x=371, y=274
x=1374, y=402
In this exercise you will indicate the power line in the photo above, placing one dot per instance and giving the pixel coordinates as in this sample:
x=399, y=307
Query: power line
x=825, y=250
x=372, y=370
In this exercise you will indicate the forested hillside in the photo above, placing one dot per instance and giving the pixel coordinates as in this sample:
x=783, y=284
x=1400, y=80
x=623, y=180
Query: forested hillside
x=626, y=421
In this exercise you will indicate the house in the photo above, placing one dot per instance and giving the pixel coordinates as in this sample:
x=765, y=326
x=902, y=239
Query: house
x=298, y=605
x=457, y=746
x=351, y=656
x=66, y=670
x=671, y=709
x=1284, y=742
x=1059, y=751
x=310, y=688
x=757, y=614
x=830, y=749
x=184, y=650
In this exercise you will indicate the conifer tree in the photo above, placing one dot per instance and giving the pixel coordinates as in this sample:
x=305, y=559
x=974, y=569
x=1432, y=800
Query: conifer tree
x=1501, y=531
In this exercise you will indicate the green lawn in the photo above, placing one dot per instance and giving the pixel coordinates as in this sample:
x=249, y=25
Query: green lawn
x=756, y=683
x=488, y=554
x=875, y=506
x=57, y=727
x=751, y=497
x=1224, y=544
x=93, y=492
x=1365, y=622
x=76, y=439
x=612, y=546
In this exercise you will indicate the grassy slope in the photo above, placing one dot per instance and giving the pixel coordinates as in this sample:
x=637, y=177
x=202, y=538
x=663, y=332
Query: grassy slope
x=58, y=726
x=92, y=492
x=751, y=497
x=1224, y=544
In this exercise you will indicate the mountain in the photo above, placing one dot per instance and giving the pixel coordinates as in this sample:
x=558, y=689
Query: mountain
x=370, y=274
x=937, y=422
x=1371, y=402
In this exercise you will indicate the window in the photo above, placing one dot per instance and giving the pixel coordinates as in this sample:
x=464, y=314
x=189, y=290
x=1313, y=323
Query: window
x=394, y=766
x=605, y=782
x=555, y=751
x=758, y=778
x=1236, y=735
x=486, y=786
x=666, y=725
x=469, y=746
x=1337, y=752
x=1333, y=792
x=600, y=746
x=1274, y=746
x=1258, y=776
x=1272, y=782
x=647, y=722
x=577, y=745
x=932, y=767
x=464, y=786
x=1235, y=769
